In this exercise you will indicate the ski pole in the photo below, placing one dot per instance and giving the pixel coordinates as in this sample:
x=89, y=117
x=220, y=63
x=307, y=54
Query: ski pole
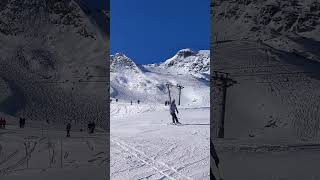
x=221, y=178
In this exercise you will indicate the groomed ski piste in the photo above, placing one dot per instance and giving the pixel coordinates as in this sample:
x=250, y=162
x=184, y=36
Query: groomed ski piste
x=35, y=152
x=144, y=143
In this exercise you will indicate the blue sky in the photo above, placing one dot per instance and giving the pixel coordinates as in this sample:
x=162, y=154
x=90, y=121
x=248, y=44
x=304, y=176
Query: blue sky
x=150, y=31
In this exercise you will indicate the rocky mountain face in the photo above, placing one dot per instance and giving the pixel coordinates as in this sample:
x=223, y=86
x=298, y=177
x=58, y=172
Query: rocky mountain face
x=121, y=63
x=53, y=62
x=288, y=25
x=188, y=61
x=21, y=17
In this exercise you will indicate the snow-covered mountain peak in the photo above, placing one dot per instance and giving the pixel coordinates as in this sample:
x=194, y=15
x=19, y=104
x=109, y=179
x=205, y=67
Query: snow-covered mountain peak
x=120, y=63
x=186, y=53
x=148, y=83
x=189, y=62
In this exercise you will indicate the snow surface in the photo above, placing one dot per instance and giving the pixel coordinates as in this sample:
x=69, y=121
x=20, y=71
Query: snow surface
x=145, y=146
x=271, y=48
x=83, y=156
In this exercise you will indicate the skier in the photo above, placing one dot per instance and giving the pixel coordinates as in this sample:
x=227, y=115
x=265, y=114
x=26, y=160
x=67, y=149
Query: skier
x=173, y=109
x=1, y=123
x=214, y=155
x=93, y=126
x=89, y=127
x=68, y=129
x=23, y=122
x=138, y=101
x=131, y=102
x=4, y=122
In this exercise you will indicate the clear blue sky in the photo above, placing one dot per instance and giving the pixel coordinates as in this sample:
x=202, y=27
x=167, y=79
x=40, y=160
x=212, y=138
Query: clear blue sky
x=150, y=31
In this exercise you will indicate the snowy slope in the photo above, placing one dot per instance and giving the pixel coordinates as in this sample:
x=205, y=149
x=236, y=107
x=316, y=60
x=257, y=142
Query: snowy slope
x=145, y=145
x=147, y=83
x=53, y=58
x=50, y=155
x=272, y=49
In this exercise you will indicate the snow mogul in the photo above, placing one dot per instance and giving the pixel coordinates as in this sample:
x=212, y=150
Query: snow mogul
x=173, y=109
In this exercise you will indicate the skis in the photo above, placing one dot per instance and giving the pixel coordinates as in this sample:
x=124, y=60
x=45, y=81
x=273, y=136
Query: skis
x=177, y=124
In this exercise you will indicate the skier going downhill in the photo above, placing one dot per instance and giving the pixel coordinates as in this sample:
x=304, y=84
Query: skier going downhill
x=173, y=109
x=68, y=129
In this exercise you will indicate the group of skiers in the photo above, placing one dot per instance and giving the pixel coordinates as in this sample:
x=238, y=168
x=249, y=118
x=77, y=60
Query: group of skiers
x=3, y=123
x=137, y=102
x=117, y=100
x=91, y=128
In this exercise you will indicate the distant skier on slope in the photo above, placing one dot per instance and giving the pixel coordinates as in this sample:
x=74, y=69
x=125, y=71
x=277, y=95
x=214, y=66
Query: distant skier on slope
x=214, y=155
x=93, y=127
x=4, y=123
x=173, y=109
x=68, y=129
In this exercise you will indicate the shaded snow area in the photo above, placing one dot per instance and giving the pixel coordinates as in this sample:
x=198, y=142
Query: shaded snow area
x=144, y=145
x=36, y=152
x=52, y=57
x=53, y=69
x=271, y=48
x=272, y=115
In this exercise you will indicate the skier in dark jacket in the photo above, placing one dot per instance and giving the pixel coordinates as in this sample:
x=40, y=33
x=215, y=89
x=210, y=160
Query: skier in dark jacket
x=68, y=129
x=23, y=122
x=214, y=155
x=89, y=127
x=93, y=126
x=173, y=109
x=1, y=123
x=4, y=123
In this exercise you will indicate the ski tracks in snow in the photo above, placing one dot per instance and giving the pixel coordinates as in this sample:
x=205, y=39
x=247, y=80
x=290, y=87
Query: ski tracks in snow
x=165, y=170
